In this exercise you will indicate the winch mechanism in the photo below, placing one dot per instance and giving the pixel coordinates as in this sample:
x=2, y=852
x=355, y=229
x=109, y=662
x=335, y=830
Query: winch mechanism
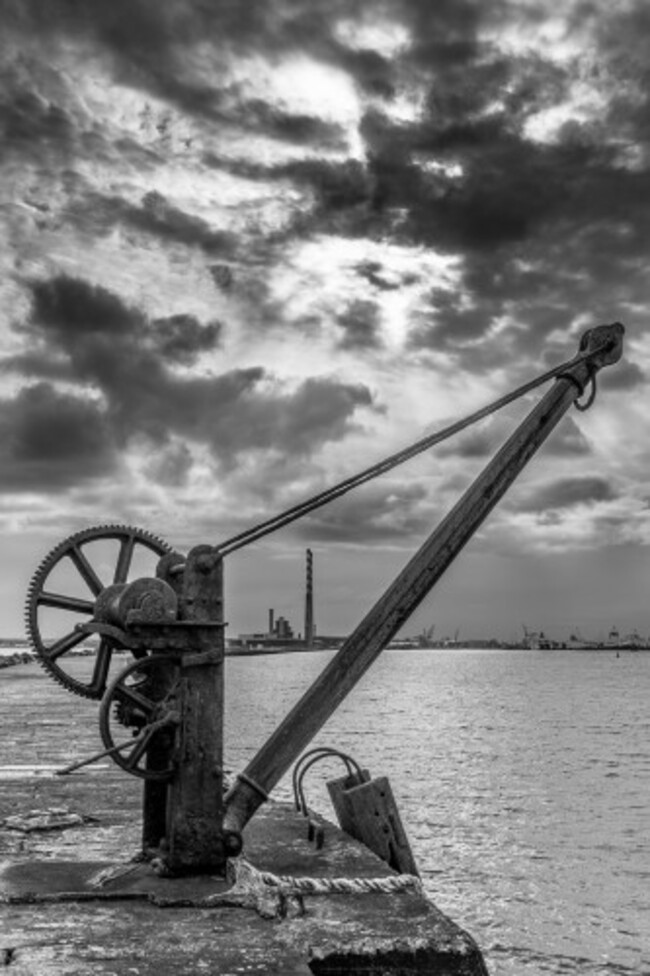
x=170, y=698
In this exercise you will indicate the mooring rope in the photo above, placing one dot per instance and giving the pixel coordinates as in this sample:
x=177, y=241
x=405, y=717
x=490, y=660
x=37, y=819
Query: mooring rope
x=390, y=885
x=392, y=461
x=249, y=883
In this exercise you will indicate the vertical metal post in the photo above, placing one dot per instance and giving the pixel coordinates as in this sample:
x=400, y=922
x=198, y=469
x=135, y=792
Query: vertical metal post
x=161, y=750
x=159, y=756
x=195, y=794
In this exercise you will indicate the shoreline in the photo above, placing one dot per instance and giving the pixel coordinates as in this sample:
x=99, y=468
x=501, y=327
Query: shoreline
x=21, y=655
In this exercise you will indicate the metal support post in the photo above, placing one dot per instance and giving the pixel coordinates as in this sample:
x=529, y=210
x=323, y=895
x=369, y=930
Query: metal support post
x=195, y=793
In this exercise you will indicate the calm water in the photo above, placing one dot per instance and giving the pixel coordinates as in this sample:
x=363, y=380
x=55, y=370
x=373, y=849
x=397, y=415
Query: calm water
x=523, y=779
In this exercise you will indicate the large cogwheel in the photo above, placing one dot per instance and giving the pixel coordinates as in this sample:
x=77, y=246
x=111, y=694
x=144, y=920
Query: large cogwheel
x=78, y=570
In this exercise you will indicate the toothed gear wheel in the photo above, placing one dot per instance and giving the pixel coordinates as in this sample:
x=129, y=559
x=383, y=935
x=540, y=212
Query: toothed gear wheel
x=77, y=552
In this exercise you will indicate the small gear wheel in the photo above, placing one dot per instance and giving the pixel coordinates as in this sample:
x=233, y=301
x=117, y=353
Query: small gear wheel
x=76, y=568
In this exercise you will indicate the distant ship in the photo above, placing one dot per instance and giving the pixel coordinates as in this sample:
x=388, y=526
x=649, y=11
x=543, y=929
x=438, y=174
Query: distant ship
x=630, y=642
x=615, y=642
x=578, y=643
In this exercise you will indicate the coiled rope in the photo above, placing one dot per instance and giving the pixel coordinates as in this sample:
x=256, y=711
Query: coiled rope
x=392, y=461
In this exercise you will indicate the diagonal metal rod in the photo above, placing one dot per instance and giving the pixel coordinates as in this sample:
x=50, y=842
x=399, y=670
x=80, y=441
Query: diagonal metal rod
x=137, y=740
x=415, y=581
x=98, y=755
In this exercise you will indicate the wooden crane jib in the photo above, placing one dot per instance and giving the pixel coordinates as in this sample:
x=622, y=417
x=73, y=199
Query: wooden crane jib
x=171, y=697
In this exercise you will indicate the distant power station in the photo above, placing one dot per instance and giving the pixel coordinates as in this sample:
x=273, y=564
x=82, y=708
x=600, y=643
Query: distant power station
x=280, y=632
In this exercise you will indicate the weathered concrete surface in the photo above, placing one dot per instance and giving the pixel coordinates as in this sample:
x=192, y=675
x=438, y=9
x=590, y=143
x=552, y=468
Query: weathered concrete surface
x=361, y=933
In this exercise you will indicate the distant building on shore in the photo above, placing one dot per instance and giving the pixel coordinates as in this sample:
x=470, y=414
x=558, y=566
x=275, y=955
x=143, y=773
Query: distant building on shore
x=280, y=633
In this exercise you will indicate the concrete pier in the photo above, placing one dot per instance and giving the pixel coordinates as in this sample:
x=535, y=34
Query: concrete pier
x=72, y=902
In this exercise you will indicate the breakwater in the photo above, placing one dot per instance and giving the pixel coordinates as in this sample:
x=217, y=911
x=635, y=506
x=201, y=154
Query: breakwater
x=8, y=657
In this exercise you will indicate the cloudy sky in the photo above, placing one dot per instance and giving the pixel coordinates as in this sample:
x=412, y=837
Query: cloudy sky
x=250, y=248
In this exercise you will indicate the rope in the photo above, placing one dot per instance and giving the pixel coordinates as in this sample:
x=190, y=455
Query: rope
x=391, y=885
x=392, y=461
x=247, y=891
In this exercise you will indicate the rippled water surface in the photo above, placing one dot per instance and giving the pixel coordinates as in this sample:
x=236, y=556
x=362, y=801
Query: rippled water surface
x=523, y=779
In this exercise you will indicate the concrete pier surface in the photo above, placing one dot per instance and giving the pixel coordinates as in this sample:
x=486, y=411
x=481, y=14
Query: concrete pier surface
x=73, y=900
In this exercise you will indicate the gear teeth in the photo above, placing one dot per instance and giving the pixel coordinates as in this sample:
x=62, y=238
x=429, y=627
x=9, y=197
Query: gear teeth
x=47, y=564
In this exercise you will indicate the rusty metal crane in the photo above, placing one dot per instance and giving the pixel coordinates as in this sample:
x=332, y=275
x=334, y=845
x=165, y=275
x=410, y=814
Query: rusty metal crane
x=171, y=696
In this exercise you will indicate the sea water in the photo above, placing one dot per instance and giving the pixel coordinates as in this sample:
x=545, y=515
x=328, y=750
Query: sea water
x=523, y=780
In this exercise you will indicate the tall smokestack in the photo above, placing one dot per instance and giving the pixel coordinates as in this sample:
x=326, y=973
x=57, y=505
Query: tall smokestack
x=309, y=601
x=270, y=621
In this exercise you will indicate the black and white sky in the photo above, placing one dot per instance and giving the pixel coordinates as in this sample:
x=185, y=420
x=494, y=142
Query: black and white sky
x=252, y=247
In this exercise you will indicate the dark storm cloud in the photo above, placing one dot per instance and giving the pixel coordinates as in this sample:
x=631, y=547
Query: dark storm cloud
x=51, y=441
x=568, y=493
x=299, y=129
x=28, y=121
x=456, y=20
x=76, y=309
x=373, y=514
x=158, y=216
x=152, y=45
x=40, y=123
x=623, y=45
x=451, y=322
x=337, y=186
x=545, y=230
x=373, y=73
x=222, y=276
x=508, y=189
x=334, y=199
x=97, y=213
x=67, y=311
x=579, y=266
x=114, y=350
x=181, y=337
x=144, y=38
x=477, y=103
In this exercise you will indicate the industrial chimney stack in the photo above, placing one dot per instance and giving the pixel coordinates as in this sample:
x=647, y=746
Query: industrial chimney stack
x=309, y=601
